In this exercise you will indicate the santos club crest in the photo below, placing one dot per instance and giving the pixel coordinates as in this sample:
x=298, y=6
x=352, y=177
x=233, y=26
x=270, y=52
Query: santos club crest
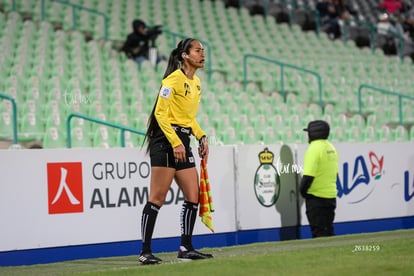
x=266, y=180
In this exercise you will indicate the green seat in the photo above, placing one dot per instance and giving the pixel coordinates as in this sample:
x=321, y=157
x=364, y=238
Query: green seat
x=338, y=134
x=357, y=120
x=340, y=120
x=55, y=119
x=132, y=140
x=411, y=136
x=54, y=138
x=140, y=121
x=114, y=109
x=260, y=121
x=31, y=128
x=295, y=122
x=372, y=120
x=6, y=125
x=270, y=136
x=291, y=135
x=369, y=134
x=354, y=134
x=221, y=121
x=400, y=134
x=250, y=136
x=384, y=134
x=104, y=137
x=229, y=136
x=80, y=138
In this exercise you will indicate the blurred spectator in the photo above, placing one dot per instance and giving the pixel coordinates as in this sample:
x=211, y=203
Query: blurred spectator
x=408, y=23
x=332, y=13
x=345, y=9
x=329, y=18
x=385, y=26
x=137, y=45
x=392, y=37
x=391, y=6
x=385, y=40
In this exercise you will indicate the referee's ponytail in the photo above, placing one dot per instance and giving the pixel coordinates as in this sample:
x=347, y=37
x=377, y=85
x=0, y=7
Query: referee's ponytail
x=174, y=62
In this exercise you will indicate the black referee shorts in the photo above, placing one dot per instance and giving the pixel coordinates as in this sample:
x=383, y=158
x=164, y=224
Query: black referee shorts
x=161, y=151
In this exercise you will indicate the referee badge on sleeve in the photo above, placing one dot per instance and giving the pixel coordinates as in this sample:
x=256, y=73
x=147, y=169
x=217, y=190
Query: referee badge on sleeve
x=165, y=92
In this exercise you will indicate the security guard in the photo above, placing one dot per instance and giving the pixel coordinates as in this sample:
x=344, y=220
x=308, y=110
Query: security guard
x=318, y=184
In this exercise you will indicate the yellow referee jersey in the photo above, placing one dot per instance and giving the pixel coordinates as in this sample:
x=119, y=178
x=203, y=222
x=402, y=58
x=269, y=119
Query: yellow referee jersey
x=177, y=104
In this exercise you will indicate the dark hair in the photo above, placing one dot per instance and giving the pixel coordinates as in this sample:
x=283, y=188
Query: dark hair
x=174, y=62
x=137, y=23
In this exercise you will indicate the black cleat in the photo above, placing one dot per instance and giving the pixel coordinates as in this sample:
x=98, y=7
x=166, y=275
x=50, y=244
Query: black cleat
x=148, y=258
x=192, y=255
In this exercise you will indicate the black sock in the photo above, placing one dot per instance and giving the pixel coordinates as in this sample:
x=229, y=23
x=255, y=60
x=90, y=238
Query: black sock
x=149, y=216
x=188, y=218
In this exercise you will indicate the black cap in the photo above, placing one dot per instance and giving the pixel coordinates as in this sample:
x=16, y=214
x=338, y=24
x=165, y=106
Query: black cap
x=138, y=23
x=317, y=129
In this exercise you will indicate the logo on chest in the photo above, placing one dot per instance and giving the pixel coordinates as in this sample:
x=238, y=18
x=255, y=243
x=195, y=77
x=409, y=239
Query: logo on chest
x=187, y=88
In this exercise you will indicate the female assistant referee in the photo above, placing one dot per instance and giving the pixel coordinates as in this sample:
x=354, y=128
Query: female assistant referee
x=170, y=125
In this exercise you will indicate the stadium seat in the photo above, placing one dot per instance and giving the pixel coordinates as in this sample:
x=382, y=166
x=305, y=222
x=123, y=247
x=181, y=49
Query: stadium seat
x=357, y=120
x=132, y=140
x=294, y=121
x=338, y=134
x=122, y=119
x=259, y=121
x=61, y=62
x=400, y=134
x=270, y=136
x=384, y=134
x=54, y=138
x=80, y=139
x=340, y=120
x=411, y=134
x=229, y=136
x=354, y=134
x=55, y=119
x=372, y=120
x=6, y=125
x=250, y=136
x=369, y=134
x=104, y=137
x=30, y=127
x=140, y=121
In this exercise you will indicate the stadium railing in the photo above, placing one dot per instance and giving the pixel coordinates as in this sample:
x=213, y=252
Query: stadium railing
x=75, y=8
x=282, y=66
x=387, y=92
x=14, y=107
x=102, y=122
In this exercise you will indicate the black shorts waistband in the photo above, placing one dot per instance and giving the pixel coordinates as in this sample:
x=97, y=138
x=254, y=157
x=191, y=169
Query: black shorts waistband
x=186, y=130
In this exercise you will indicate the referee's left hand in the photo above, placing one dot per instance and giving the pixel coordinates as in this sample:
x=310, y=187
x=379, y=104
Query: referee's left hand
x=203, y=149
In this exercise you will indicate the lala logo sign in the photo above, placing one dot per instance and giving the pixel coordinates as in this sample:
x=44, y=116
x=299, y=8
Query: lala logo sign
x=360, y=179
x=408, y=195
x=65, y=194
